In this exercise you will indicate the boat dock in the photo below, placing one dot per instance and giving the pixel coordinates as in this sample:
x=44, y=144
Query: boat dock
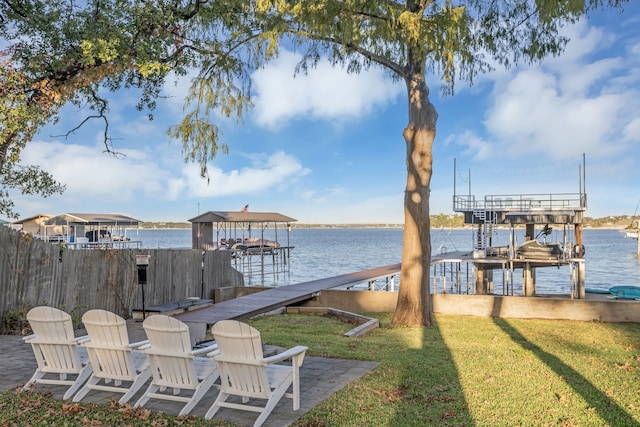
x=345, y=293
x=247, y=306
x=518, y=210
x=251, y=253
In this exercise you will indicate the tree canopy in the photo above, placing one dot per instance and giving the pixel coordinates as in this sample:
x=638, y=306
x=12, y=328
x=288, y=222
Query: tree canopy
x=65, y=52
x=77, y=53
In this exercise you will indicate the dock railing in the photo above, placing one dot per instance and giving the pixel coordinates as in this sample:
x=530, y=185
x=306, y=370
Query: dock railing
x=510, y=202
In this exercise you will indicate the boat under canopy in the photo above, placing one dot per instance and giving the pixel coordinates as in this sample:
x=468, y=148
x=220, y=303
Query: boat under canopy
x=243, y=232
x=237, y=227
x=91, y=230
x=533, y=249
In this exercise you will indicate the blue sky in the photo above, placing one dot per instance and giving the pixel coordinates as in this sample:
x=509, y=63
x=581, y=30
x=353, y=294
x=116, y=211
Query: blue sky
x=328, y=147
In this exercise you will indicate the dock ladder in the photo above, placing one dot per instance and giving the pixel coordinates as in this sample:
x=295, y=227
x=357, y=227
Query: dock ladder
x=487, y=219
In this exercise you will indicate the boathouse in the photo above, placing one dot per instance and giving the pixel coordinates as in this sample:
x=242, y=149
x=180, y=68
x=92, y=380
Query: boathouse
x=33, y=225
x=82, y=230
x=538, y=214
x=259, y=241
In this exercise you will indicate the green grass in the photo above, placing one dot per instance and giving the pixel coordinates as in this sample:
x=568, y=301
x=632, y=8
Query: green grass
x=464, y=371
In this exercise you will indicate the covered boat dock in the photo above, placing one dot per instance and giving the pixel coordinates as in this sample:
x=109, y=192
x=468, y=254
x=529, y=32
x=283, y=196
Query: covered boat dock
x=534, y=212
x=83, y=230
x=259, y=241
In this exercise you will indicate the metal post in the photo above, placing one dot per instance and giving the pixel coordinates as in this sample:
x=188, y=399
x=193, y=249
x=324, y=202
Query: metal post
x=142, y=262
x=202, y=276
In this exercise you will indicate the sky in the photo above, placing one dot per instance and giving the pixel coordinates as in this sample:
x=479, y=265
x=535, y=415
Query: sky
x=327, y=147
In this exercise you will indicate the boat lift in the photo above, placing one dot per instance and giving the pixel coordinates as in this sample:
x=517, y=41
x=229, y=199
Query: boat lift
x=486, y=214
x=259, y=242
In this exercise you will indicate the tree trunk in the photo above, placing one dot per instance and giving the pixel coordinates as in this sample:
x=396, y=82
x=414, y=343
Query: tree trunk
x=414, y=299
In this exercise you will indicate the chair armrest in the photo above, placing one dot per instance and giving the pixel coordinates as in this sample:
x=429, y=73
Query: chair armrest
x=29, y=337
x=213, y=353
x=288, y=354
x=82, y=339
x=219, y=357
x=138, y=344
x=205, y=350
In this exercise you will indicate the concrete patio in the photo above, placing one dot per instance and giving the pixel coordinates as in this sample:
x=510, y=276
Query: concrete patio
x=319, y=378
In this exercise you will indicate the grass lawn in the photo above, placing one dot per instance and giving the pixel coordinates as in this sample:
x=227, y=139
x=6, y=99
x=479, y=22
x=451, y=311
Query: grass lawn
x=464, y=371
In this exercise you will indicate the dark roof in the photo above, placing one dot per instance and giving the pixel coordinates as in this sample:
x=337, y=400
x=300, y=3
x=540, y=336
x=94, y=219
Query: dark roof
x=242, y=217
x=542, y=216
x=92, y=219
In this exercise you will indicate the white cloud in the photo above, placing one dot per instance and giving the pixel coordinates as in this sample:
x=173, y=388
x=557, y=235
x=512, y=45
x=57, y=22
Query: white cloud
x=584, y=41
x=138, y=128
x=276, y=170
x=91, y=176
x=533, y=115
x=89, y=173
x=632, y=131
x=569, y=105
x=475, y=146
x=324, y=195
x=176, y=89
x=326, y=92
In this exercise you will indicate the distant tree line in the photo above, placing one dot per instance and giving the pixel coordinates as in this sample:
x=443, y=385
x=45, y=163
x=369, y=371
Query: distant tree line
x=437, y=221
x=620, y=221
x=165, y=225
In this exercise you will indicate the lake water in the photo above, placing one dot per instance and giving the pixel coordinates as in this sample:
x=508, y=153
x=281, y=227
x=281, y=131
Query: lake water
x=610, y=258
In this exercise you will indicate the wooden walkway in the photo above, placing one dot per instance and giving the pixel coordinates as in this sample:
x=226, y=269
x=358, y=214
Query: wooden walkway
x=251, y=305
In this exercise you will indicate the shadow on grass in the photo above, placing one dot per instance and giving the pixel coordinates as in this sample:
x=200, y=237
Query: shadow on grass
x=429, y=384
x=606, y=408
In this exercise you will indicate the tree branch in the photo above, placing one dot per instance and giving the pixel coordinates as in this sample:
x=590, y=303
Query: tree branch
x=371, y=56
x=103, y=106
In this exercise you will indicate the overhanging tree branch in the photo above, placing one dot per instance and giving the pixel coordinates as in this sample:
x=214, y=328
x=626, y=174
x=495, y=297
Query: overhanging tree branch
x=107, y=139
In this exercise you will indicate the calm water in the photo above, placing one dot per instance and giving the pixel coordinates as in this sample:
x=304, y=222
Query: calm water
x=610, y=258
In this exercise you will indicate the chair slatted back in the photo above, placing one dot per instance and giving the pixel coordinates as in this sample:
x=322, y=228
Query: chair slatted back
x=238, y=339
x=109, y=349
x=170, y=352
x=240, y=363
x=54, y=345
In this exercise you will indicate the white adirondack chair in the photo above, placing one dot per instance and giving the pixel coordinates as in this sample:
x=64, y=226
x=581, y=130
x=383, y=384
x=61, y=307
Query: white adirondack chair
x=246, y=373
x=174, y=364
x=56, y=349
x=112, y=357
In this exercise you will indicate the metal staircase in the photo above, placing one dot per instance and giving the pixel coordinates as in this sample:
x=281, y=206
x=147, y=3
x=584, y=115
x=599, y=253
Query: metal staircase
x=487, y=219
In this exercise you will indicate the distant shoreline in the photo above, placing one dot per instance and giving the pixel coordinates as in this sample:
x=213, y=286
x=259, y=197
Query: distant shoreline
x=438, y=221
x=293, y=226
x=187, y=226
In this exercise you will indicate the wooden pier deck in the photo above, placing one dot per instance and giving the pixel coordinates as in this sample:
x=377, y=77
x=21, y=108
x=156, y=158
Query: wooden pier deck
x=265, y=301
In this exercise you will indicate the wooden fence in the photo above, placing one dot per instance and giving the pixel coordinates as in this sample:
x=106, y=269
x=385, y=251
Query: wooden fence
x=34, y=272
